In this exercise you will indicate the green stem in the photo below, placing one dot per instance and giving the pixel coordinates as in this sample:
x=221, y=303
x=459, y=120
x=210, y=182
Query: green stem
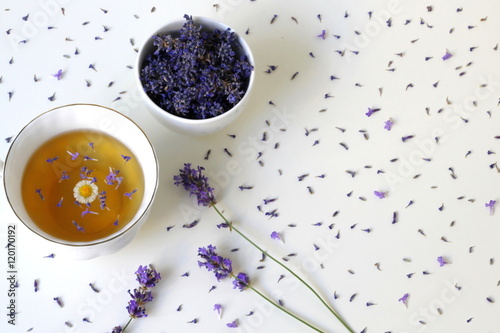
x=123, y=329
x=284, y=310
x=231, y=226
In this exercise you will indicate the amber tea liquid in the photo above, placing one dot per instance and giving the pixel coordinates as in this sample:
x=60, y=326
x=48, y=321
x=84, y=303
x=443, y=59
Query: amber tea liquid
x=82, y=186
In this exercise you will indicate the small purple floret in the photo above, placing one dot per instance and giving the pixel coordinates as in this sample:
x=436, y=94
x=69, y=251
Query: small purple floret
x=222, y=267
x=196, y=184
x=241, y=282
x=147, y=276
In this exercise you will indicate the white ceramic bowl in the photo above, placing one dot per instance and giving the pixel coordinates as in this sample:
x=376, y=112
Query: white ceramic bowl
x=81, y=117
x=180, y=124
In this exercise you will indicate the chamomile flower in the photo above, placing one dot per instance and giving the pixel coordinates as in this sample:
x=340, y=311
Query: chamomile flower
x=85, y=191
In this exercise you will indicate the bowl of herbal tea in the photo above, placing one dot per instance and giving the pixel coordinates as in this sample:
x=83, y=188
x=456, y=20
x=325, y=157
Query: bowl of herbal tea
x=195, y=75
x=82, y=176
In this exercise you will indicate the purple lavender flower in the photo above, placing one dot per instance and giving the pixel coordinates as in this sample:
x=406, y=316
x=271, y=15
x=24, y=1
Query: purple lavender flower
x=233, y=324
x=147, y=276
x=222, y=267
x=141, y=296
x=196, y=183
x=135, y=310
x=380, y=195
x=241, y=282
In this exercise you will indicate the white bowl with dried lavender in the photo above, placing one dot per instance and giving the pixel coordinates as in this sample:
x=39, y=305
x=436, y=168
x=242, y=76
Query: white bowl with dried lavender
x=195, y=75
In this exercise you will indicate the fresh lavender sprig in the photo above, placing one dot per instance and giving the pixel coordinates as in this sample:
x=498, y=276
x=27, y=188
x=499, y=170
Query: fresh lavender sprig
x=147, y=277
x=222, y=268
x=197, y=184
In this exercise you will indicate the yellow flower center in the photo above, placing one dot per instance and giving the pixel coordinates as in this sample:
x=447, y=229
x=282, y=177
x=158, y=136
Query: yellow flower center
x=85, y=191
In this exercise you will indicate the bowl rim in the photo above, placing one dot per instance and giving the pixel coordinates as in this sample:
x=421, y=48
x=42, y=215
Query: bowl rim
x=189, y=121
x=114, y=236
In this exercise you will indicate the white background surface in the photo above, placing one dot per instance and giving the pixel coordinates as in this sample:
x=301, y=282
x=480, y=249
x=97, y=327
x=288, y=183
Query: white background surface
x=375, y=62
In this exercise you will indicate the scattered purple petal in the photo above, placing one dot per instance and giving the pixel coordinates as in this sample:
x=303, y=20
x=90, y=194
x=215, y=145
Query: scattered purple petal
x=491, y=206
x=233, y=324
x=404, y=299
x=39, y=191
x=64, y=175
x=191, y=225
x=88, y=158
x=322, y=35
x=388, y=124
x=441, y=261
x=58, y=301
x=78, y=227
x=74, y=156
x=371, y=112
x=447, y=55
x=129, y=194
x=276, y=235
x=58, y=75
x=406, y=138
x=88, y=211
x=218, y=308
x=94, y=289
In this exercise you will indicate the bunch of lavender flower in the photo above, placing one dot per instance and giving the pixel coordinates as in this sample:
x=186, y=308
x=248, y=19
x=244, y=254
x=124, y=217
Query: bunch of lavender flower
x=222, y=268
x=196, y=183
x=198, y=73
x=147, y=277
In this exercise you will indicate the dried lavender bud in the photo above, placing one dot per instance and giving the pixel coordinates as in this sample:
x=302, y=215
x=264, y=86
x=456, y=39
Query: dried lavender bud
x=196, y=73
